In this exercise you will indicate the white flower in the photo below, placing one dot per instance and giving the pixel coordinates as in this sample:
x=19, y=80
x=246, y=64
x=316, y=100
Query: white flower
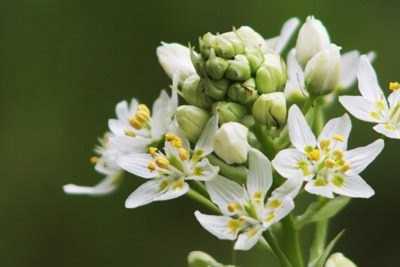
x=105, y=164
x=295, y=84
x=372, y=106
x=246, y=213
x=326, y=165
x=339, y=260
x=279, y=42
x=169, y=170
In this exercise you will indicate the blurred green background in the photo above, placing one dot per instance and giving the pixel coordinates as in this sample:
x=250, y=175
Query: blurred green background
x=65, y=64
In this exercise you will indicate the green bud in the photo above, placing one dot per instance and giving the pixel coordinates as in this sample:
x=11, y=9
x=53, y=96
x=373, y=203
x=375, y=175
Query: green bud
x=193, y=90
x=191, y=121
x=252, y=38
x=198, y=63
x=229, y=111
x=216, y=66
x=206, y=43
x=201, y=259
x=243, y=93
x=239, y=69
x=339, y=260
x=256, y=58
x=216, y=88
x=271, y=76
x=223, y=48
x=236, y=42
x=270, y=109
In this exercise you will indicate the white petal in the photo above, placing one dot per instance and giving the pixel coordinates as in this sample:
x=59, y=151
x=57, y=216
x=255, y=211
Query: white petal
x=122, y=111
x=284, y=209
x=286, y=163
x=299, y=131
x=175, y=59
x=107, y=163
x=353, y=186
x=324, y=191
x=217, y=225
x=144, y=194
x=290, y=188
x=127, y=144
x=259, y=178
x=224, y=192
x=208, y=171
x=106, y=186
x=360, y=107
x=248, y=239
x=279, y=43
x=205, y=142
x=137, y=164
x=295, y=82
x=172, y=192
x=381, y=128
x=394, y=98
x=367, y=81
x=349, y=63
x=337, y=126
x=360, y=158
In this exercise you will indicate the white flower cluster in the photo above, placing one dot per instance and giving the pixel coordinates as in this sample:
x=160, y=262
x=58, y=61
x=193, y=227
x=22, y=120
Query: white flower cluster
x=216, y=148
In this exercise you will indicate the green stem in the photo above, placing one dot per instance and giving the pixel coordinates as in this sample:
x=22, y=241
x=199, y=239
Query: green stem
x=383, y=137
x=308, y=104
x=321, y=231
x=291, y=243
x=199, y=187
x=305, y=218
x=237, y=174
x=319, y=117
x=276, y=249
x=203, y=200
x=234, y=255
x=268, y=145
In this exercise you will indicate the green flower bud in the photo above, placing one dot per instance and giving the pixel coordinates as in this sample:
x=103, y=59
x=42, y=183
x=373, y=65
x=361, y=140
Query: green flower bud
x=206, y=43
x=236, y=42
x=193, y=90
x=191, y=121
x=339, y=260
x=270, y=109
x=216, y=66
x=223, y=48
x=322, y=73
x=256, y=58
x=271, y=76
x=230, y=142
x=201, y=259
x=198, y=62
x=216, y=88
x=229, y=111
x=238, y=69
x=243, y=93
x=252, y=38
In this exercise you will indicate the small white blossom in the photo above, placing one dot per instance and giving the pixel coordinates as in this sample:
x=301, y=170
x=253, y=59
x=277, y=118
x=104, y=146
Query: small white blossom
x=169, y=170
x=372, y=106
x=246, y=213
x=326, y=164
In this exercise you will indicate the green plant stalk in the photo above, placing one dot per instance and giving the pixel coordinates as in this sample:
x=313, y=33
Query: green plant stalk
x=290, y=241
x=199, y=187
x=276, y=249
x=237, y=174
x=318, y=246
x=309, y=102
x=320, y=204
x=203, y=200
x=268, y=145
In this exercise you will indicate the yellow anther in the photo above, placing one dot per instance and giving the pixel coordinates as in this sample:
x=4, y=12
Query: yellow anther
x=234, y=225
x=142, y=116
x=380, y=105
x=183, y=154
x=276, y=203
x=339, y=138
x=314, y=155
x=135, y=123
x=177, y=142
x=374, y=115
x=94, y=159
x=345, y=168
x=319, y=182
x=325, y=143
x=231, y=207
x=153, y=151
x=338, y=154
x=143, y=107
x=394, y=86
x=170, y=137
x=270, y=218
x=390, y=127
x=162, y=162
x=105, y=138
x=257, y=197
x=151, y=166
x=330, y=163
x=242, y=218
x=129, y=133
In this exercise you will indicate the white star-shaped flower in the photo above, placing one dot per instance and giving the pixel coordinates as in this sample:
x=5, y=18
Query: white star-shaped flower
x=246, y=212
x=372, y=106
x=326, y=165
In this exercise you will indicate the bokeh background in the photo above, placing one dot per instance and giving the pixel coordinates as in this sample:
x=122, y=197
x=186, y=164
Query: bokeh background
x=65, y=64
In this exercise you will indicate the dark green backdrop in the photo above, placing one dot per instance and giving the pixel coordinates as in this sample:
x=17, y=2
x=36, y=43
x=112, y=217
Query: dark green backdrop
x=65, y=64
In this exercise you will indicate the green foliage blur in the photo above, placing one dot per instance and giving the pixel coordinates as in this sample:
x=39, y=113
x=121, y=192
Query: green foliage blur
x=65, y=64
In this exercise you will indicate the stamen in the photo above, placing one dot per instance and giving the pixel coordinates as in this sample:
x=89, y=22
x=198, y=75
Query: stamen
x=94, y=159
x=394, y=86
x=105, y=138
x=170, y=137
x=143, y=107
x=153, y=152
x=183, y=154
x=231, y=207
x=325, y=143
x=151, y=166
x=242, y=218
x=314, y=155
x=177, y=142
x=135, y=123
x=142, y=116
x=162, y=162
x=345, y=168
x=338, y=137
x=338, y=154
x=330, y=163
x=129, y=133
